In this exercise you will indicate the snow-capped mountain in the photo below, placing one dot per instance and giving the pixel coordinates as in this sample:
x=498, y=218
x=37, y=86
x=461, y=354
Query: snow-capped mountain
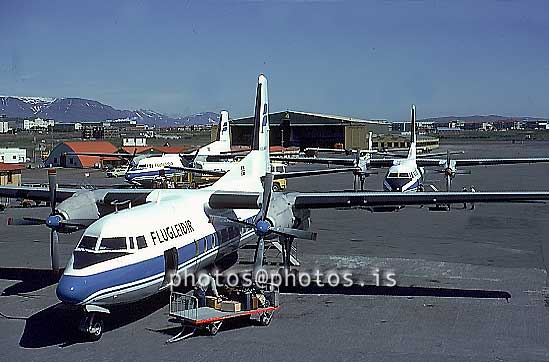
x=78, y=110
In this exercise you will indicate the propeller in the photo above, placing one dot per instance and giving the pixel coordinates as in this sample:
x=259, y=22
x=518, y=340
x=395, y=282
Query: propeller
x=362, y=161
x=264, y=228
x=130, y=161
x=450, y=171
x=186, y=159
x=54, y=221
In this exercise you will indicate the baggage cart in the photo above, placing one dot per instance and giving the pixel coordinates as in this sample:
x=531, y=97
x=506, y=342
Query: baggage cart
x=185, y=310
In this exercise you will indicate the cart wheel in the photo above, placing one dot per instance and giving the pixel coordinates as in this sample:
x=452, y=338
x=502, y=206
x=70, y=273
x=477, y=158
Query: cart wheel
x=265, y=318
x=213, y=328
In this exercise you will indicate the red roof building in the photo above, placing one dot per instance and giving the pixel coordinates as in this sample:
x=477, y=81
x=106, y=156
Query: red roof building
x=10, y=174
x=59, y=158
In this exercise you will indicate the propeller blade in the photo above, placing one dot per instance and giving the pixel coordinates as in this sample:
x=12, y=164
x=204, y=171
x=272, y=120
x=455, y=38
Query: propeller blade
x=196, y=154
x=79, y=223
x=296, y=233
x=52, y=183
x=463, y=172
x=54, y=251
x=448, y=183
x=223, y=220
x=26, y=221
x=267, y=189
x=130, y=161
x=258, y=258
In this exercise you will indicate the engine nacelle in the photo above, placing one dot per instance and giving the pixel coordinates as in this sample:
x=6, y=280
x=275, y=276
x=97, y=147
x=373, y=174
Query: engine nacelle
x=281, y=213
x=81, y=205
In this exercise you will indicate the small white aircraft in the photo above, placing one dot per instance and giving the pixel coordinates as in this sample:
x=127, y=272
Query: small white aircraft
x=144, y=170
x=131, y=254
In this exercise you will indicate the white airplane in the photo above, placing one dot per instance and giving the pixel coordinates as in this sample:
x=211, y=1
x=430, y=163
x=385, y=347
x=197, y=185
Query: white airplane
x=143, y=170
x=131, y=254
x=407, y=174
x=150, y=168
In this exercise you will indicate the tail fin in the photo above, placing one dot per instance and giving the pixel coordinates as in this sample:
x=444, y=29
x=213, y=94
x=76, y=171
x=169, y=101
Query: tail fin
x=412, y=152
x=224, y=129
x=246, y=175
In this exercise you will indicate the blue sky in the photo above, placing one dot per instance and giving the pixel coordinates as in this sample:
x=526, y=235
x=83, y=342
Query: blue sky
x=363, y=59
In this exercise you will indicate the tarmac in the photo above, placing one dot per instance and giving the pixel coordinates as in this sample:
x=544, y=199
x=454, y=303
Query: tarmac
x=469, y=284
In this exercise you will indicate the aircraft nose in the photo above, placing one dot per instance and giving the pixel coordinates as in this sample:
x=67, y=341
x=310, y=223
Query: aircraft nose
x=71, y=289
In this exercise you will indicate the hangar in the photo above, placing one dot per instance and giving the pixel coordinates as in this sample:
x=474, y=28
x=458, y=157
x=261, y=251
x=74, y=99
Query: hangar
x=301, y=129
x=58, y=157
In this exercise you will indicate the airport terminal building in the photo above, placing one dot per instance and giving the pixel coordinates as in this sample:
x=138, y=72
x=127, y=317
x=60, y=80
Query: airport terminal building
x=301, y=129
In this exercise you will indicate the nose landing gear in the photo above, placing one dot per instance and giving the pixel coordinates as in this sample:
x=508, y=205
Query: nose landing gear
x=92, y=325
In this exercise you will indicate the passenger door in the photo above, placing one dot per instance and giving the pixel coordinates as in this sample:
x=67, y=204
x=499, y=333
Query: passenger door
x=170, y=266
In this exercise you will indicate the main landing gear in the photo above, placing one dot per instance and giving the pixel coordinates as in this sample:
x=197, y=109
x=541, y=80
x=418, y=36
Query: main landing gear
x=92, y=325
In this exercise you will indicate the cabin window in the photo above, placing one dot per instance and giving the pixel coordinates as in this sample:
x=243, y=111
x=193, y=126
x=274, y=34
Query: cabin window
x=141, y=243
x=88, y=243
x=113, y=244
x=393, y=175
x=132, y=245
x=205, y=244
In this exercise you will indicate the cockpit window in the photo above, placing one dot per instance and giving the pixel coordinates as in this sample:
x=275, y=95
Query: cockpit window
x=88, y=243
x=113, y=244
x=141, y=243
x=393, y=175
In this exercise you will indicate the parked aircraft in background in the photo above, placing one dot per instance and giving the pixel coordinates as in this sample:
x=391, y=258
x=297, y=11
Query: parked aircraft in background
x=407, y=174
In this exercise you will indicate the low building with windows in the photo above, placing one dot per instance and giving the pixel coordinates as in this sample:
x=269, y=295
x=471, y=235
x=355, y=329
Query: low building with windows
x=397, y=141
x=10, y=174
x=13, y=155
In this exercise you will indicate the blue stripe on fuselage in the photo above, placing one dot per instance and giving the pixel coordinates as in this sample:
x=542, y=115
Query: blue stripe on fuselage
x=151, y=174
x=76, y=289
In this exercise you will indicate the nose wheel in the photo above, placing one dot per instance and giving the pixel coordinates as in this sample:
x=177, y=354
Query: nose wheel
x=92, y=326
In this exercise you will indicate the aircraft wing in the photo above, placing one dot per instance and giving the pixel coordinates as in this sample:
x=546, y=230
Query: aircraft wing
x=373, y=162
x=278, y=176
x=381, y=162
x=61, y=194
x=35, y=193
x=323, y=200
x=366, y=199
x=197, y=170
x=422, y=162
x=498, y=161
x=316, y=160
